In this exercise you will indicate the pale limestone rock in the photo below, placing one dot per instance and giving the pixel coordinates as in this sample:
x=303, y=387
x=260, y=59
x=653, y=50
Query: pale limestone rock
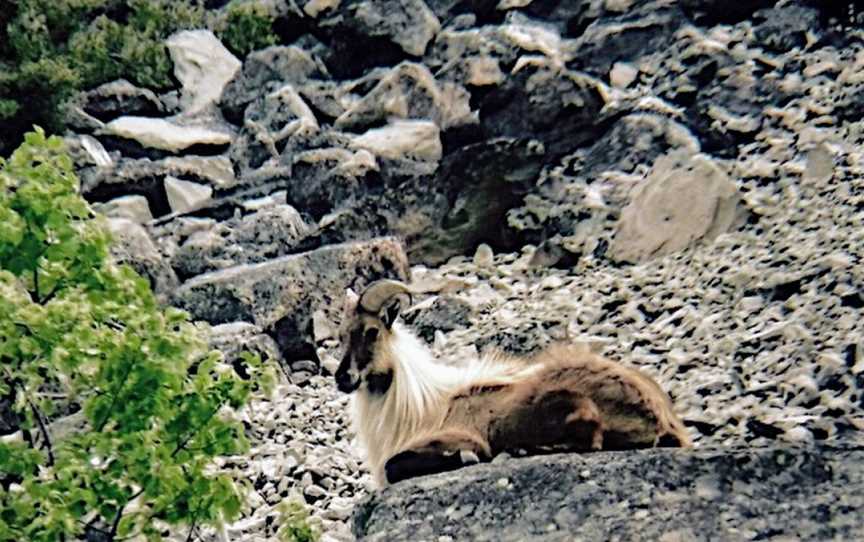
x=185, y=195
x=165, y=134
x=820, y=163
x=510, y=4
x=417, y=139
x=623, y=74
x=202, y=65
x=483, y=256
x=133, y=207
x=484, y=70
x=683, y=199
x=216, y=169
x=96, y=151
x=313, y=8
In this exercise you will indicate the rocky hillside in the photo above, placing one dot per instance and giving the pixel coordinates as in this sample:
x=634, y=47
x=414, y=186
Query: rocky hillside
x=679, y=184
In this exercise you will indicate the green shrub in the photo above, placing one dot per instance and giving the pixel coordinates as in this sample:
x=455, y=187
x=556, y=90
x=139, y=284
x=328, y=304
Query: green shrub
x=50, y=49
x=80, y=333
x=246, y=27
x=294, y=523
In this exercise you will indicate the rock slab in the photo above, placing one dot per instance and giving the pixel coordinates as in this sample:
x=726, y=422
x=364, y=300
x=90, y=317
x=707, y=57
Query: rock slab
x=813, y=493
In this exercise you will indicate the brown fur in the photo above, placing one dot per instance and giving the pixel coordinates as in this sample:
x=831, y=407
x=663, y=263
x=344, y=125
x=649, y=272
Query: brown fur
x=576, y=401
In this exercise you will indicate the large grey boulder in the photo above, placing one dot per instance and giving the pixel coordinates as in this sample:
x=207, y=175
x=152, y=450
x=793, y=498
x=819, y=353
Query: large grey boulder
x=667, y=495
x=280, y=295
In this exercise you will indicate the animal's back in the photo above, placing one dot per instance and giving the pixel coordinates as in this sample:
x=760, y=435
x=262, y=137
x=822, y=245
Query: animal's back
x=567, y=397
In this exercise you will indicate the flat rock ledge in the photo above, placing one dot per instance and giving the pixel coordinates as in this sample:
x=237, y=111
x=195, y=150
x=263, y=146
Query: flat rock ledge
x=776, y=493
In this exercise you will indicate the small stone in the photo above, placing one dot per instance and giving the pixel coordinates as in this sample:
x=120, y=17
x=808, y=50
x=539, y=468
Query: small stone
x=135, y=208
x=96, y=151
x=483, y=256
x=304, y=365
x=185, y=196
x=314, y=491
x=623, y=74
x=329, y=363
x=502, y=483
x=301, y=378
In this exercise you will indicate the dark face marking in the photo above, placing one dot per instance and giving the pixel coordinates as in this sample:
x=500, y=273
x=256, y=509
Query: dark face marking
x=379, y=383
x=359, y=350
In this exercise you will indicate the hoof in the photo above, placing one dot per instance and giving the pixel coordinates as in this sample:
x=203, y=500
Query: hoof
x=410, y=464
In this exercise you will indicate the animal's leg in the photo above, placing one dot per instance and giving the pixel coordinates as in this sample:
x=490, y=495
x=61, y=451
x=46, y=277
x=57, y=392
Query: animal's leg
x=585, y=424
x=440, y=451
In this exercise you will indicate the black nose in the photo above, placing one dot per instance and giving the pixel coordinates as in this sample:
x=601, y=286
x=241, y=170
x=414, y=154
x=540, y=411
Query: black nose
x=344, y=382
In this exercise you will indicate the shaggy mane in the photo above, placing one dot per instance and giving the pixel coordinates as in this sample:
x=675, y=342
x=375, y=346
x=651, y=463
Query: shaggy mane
x=418, y=396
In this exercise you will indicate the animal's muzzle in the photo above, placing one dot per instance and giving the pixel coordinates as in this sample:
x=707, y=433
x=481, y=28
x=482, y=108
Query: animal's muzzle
x=345, y=382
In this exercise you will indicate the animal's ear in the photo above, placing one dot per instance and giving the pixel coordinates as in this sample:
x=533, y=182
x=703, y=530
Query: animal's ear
x=391, y=309
x=351, y=300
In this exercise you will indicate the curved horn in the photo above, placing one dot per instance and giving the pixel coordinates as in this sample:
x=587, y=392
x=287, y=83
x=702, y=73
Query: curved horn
x=377, y=293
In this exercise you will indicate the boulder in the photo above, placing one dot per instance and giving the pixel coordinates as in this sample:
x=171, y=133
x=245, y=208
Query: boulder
x=235, y=338
x=409, y=91
x=280, y=295
x=199, y=245
x=541, y=100
x=132, y=207
x=166, y=135
x=668, y=495
x=184, y=196
x=118, y=98
x=134, y=246
x=684, y=199
x=271, y=67
x=408, y=23
x=202, y=65
x=146, y=178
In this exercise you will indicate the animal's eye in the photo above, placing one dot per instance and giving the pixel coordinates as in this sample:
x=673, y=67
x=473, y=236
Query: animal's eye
x=370, y=334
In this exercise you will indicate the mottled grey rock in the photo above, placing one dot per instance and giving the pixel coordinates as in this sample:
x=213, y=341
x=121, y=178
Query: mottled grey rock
x=277, y=117
x=417, y=139
x=184, y=196
x=626, y=36
x=133, y=207
x=409, y=91
x=266, y=70
x=446, y=313
x=545, y=102
x=133, y=246
x=709, y=494
x=118, y=98
x=235, y=338
x=482, y=181
x=408, y=23
x=281, y=295
x=197, y=246
x=145, y=177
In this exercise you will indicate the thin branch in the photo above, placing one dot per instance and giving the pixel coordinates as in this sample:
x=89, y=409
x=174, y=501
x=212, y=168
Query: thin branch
x=44, y=430
x=114, y=396
x=36, y=284
x=36, y=414
x=116, y=523
x=192, y=527
x=194, y=432
x=57, y=287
